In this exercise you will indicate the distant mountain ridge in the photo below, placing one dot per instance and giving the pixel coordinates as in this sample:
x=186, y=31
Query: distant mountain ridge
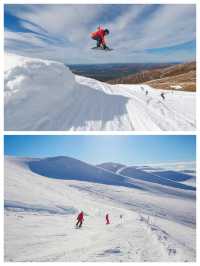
x=110, y=166
x=67, y=168
x=181, y=75
x=147, y=173
x=106, y=72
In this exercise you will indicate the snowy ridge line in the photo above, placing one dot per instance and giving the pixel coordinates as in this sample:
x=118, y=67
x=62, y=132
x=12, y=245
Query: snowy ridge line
x=171, y=179
x=170, y=246
x=174, y=175
x=86, y=104
x=79, y=170
x=144, y=176
x=110, y=166
x=67, y=168
x=89, y=173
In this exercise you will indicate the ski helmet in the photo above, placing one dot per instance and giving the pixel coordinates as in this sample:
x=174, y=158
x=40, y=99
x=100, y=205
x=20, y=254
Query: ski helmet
x=106, y=31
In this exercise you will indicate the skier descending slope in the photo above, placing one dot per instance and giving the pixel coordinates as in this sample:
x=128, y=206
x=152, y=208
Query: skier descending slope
x=121, y=218
x=107, y=219
x=80, y=220
x=99, y=36
x=162, y=95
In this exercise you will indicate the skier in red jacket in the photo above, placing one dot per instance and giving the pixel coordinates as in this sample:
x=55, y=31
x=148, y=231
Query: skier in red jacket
x=107, y=219
x=99, y=36
x=80, y=219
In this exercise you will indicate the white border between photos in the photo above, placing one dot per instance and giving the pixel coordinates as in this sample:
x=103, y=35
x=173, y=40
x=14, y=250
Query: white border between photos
x=197, y=132
x=1, y=131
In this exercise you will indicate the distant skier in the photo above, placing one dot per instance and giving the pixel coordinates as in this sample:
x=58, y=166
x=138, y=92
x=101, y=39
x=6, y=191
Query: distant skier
x=162, y=95
x=121, y=217
x=146, y=92
x=107, y=219
x=80, y=219
x=99, y=36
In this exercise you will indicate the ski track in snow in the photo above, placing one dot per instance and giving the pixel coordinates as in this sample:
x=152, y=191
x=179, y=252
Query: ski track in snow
x=118, y=242
x=80, y=103
x=40, y=215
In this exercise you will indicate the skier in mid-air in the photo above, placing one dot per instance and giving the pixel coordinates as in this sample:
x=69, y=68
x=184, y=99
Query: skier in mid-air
x=80, y=219
x=99, y=36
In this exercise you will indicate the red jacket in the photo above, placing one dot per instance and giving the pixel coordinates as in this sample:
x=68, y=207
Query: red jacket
x=100, y=33
x=80, y=216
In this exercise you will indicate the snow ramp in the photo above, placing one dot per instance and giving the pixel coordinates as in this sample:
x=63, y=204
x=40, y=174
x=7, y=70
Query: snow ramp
x=46, y=95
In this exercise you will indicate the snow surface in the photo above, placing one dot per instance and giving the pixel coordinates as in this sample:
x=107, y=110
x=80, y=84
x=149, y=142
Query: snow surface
x=42, y=203
x=45, y=95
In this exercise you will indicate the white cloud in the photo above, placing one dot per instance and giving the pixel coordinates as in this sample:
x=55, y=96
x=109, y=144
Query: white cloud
x=25, y=37
x=176, y=166
x=169, y=25
x=64, y=21
x=29, y=26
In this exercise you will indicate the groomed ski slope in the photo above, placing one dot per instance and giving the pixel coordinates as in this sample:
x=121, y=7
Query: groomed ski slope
x=45, y=95
x=40, y=213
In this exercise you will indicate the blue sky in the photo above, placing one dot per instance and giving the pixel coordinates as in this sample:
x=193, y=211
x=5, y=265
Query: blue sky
x=139, y=33
x=98, y=149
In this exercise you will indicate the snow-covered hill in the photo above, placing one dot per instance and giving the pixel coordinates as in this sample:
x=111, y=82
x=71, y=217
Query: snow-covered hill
x=44, y=196
x=45, y=95
x=113, y=167
x=159, y=175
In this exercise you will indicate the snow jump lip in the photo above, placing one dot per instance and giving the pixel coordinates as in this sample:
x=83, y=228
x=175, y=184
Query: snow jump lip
x=85, y=104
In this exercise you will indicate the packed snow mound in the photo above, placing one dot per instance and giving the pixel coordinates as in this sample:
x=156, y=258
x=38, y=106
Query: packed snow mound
x=45, y=210
x=33, y=88
x=36, y=76
x=45, y=95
